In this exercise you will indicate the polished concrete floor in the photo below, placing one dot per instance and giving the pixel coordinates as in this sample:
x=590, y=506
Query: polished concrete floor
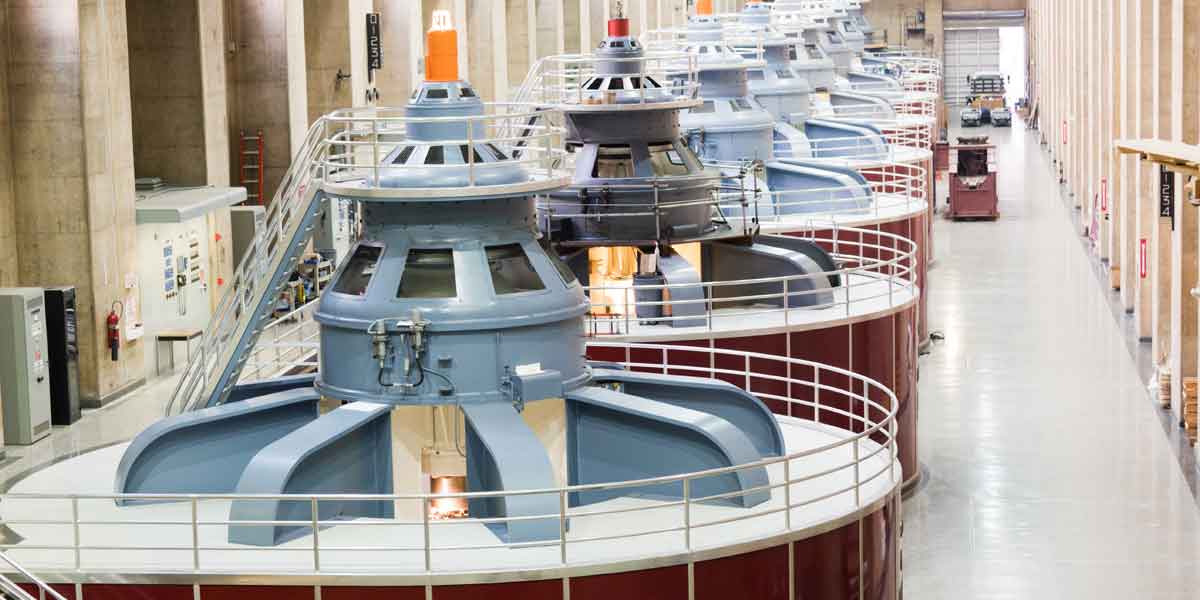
x=1050, y=475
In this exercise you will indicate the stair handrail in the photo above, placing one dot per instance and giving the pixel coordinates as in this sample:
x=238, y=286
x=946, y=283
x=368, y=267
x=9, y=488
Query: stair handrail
x=295, y=182
x=526, y=87
x=10, y=587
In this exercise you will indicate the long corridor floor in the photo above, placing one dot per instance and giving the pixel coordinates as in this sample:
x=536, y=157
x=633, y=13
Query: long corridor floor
x=1049, y=473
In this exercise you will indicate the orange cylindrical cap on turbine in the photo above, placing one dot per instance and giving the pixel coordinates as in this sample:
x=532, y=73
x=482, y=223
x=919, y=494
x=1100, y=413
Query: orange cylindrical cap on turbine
x=441, y=62
x=704, y=7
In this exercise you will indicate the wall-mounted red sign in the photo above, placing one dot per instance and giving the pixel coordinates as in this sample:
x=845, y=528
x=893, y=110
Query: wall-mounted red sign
x=1104, y=195
x=1142, y=266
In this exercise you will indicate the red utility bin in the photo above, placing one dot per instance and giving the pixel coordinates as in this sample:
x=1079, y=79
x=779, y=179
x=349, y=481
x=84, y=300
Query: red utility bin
x=973, y=182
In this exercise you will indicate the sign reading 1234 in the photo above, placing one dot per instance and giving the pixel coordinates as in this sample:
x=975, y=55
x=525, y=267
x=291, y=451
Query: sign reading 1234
x=1166, y=194
x=374, y=43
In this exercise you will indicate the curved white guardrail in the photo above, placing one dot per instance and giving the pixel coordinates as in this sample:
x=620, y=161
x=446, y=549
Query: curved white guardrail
x=849, y=468
x=896, y=189
x=876, y=270
x=902, y=136
x=656, y=80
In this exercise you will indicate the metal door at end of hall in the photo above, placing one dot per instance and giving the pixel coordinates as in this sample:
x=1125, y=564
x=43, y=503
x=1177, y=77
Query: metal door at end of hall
x=969, y=51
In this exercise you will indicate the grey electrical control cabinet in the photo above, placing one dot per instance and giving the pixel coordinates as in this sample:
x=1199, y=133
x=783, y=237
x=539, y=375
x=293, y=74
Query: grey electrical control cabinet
x=25, y=378
x=246, y=223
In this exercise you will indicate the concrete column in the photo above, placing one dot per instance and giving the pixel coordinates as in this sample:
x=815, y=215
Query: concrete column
x=1098, y=131
x=334, y=42
x=8, y=218
x=586, y=43
x=531, y=23
x=403, y=50
x=486, y=27
x=164, y=62
x=1162, y=117
x=266, y=81
x=1125, y=189
x=551, y=36
x=640, y=16
x=214, y=91
x=1078, y=181
x=1060, y=96
x=1087, y=116
x=1110, y=48
x=573, y=27
x=1190, y=272
x=107, y=154
x=1147, y=209
x=1185, y=127
x=521, y=39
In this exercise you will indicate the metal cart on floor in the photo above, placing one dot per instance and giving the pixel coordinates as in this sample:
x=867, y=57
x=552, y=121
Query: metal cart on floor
x=973, y=180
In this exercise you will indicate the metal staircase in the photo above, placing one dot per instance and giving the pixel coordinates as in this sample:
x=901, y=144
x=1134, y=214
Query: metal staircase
x=257, y=281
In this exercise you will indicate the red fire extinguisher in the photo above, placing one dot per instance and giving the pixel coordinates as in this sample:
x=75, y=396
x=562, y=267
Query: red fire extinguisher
x=114, y=328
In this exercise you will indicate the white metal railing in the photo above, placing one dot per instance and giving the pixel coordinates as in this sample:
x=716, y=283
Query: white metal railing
x=916, y=64
x=343, y=153
x=86, y=533
x=916, y=104
x=630, y=201
x=875, y=268
x=894, y=145
x=873, y=86
x=288, y=345
x=902, y=129
x=922, y=83
x=361, y=139
x=657, y=78
x=894, y=187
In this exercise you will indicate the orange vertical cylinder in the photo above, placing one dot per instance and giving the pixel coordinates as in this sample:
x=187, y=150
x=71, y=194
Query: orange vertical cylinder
x=441, y=63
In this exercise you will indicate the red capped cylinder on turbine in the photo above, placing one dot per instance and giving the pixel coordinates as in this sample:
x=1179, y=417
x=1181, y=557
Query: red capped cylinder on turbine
x=618, y=27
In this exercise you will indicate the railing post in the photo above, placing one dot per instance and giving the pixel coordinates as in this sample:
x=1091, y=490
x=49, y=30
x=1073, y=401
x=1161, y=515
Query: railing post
x=75, y=528
x=891, y=430
x=562, y=525
x=375, y=147
x=787, y=493
x=628, y=306
x=816, y=394
x=195, y=535
x=546, y=156
x=849, y=286
x=746, y=370
x=786, y=305
x=857, y=482
x=708, y=315
x=428, y=542
x=316, y=544
x=687, y=514
x=470, y=152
